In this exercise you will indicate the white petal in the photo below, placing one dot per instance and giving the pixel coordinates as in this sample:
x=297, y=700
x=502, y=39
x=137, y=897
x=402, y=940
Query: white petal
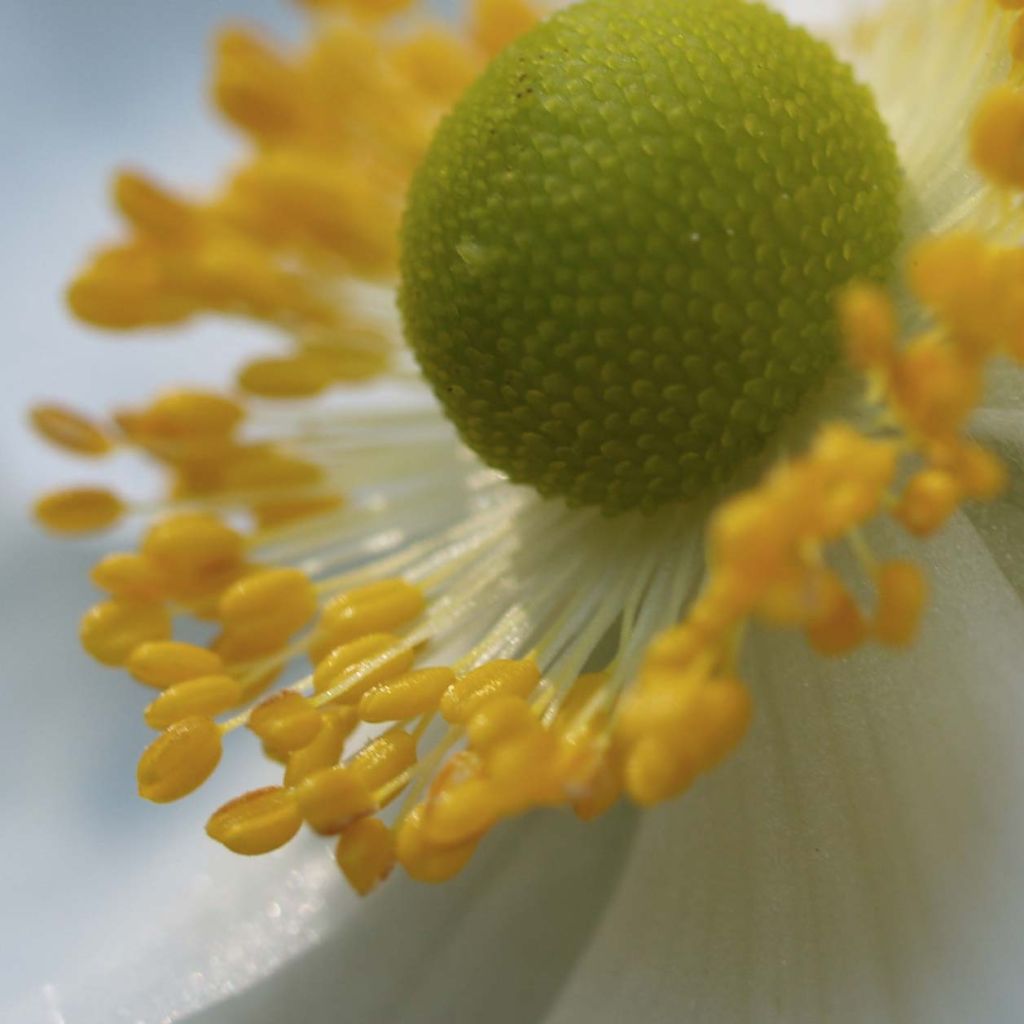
x=860, y=859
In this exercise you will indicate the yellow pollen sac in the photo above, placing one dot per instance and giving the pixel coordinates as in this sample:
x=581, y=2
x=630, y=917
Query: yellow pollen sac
x=129, y=576
x=425, y=861
x=79, y=510
x=997, y=137
x=206, y=696
x=380, y=763
x=185, y=426
x=164, y=663
x=929, y=499
x=838, y=625
x=366, y=854
x=360, y=8
x=304, y=375
x=70, y=430
x=868, y=324
x=179, y=760
x=460, y=812
x=152, y=210
x=902, y=597
x=408, y=696
x=195, y=552
x=256, y=822
x=285, y=722
x=350, y=670
x=112, y=630
x=436, y=63
x=376, y=608
x=656, y=770
x=981, y=474
x=332, y=798
x=497, y=721
x=496, y=23
x=495, y=679
x=325, y=749
x=273, y=601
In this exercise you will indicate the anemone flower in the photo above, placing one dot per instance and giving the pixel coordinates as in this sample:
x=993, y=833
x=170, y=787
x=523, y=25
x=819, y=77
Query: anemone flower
x=645, y=397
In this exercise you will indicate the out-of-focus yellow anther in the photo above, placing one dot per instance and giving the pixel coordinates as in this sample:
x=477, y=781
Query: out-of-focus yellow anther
x=936, y=386
x=376, y=608
x=436, y=63
x=408, y=696
x=79, y=510
x=111, y=631
x=165, y=663
x=184, y=416
x=325, y=749
x=273, y=602
x=285, y=377
x=179, y=760
x=206, y=695
x=657, y=770
x=384, y=759
x=370, y=9
x=600, y=792
x=902, y=597
x=495, y=679
x=70, y=430
x=1017, y=40
x=981, y=474
x=196, y=553
x=496, y=23
x=366, y=854
x=868, y=324
x=351, y=669
x=423, y=860
x=332, y=798
x=256, y=822
x=997, y=137
x=153, y=210
x=838, y=625
x=929, y=499
x=285, y=722
x=129, y=576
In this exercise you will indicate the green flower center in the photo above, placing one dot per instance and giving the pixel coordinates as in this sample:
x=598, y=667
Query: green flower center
x=621, y=253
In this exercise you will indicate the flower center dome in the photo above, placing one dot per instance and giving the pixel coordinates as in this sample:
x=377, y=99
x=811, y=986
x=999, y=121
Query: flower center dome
x=621, y=252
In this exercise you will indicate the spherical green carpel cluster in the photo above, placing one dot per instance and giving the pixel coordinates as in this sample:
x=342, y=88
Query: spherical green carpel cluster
x=621, y=253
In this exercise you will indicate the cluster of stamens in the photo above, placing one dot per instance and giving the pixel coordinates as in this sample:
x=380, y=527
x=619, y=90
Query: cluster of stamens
x=471, y=741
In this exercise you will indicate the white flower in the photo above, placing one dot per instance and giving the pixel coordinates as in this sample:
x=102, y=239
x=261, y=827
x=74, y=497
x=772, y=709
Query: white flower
x=853, y=861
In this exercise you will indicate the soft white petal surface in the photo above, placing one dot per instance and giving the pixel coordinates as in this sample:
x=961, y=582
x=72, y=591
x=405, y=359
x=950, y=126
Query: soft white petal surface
x=859, y=860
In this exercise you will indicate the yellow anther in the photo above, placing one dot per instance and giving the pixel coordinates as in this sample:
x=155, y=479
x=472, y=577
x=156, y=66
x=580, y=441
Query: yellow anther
x=495, y=679
x=366, y=854
x=657, y=769
x=423, y=860
x=1017, y=41
x=377, y=608
x=838, y=625
x=722, y=713
x=351, y=669
x=129, y=576
x=167, y=662
x=380, y=763
x=929, y=499
x=111, y=631
x=496, y=23
x=206, y=695
x=868, y=324
x=285, y=722
x=408, y=696
x=524, y=770
x=997, y=137
x=902, y=597
x=370, y=9
x=189, y=421
x=980, y=473
x=255, y=88
x=332, y=798
x=179, y=760
x=461, y=811
x=70, y=430
x=436, y=63
x=285, y=377
x=272, y=602
x=936, y=386
x=153, y=210
x=256, y=822
x=268, y=469
x=497, y=721
x=747, y=531
x=326, y=748
x=79, y=510
x=600, y=792
x=195, y=552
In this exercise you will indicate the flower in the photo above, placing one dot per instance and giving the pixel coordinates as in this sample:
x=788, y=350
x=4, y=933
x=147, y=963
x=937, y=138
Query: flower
x=533, y=574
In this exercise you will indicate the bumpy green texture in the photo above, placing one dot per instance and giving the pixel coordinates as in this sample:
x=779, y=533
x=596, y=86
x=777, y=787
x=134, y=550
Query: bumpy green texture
x=621, y=253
